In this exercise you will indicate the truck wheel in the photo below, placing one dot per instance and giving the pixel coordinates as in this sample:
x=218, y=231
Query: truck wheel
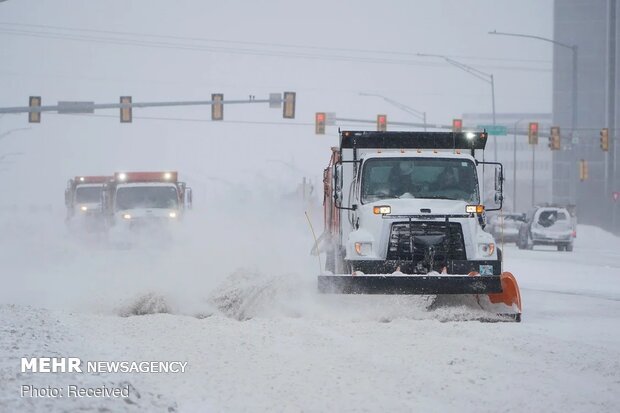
x=569, y=247
x=560, y=247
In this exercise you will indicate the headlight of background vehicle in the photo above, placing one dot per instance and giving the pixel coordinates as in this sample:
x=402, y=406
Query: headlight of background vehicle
x=486, y=249
x=126, y=216
x=172, y=214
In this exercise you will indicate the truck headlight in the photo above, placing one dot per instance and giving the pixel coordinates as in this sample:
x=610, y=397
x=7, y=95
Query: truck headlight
x=487, y=249
x=383, y=209
x=363, y=248
x=474, y=209
x=172, y=215
x=83, y=208
x=126, y=216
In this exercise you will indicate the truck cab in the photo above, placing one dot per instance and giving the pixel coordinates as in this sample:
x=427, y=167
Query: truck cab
x=408, y=202
x=83, y=199
x=143, y=199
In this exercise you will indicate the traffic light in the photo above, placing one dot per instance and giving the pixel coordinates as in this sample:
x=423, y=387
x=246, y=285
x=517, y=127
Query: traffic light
x=457, y=125
x=34, y=102
x=583, y=169
x=554, y=139
x=288, y=112
x=532, y=133
x=319, y=123
x=605, y=139
x=381, y=123
x=217, y=107
x=126, y=113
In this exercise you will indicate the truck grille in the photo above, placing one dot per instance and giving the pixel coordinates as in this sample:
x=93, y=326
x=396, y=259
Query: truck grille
x=446, y=238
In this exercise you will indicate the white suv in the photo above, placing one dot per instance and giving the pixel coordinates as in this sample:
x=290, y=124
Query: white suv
x=547, y=226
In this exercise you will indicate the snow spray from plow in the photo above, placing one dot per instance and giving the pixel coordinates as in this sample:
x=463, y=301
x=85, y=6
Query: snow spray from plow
x=497, y=295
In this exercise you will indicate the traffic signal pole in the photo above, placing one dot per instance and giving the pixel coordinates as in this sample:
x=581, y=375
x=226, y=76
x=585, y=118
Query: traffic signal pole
x=89, y=107
x=275, y=101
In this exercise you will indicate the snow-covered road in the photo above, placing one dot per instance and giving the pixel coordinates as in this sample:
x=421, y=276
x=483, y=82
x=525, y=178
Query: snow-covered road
x=264, y=341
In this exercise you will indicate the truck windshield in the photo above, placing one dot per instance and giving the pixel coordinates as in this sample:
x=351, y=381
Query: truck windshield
x=432, y=178
x=146, y=197
x=87, y=194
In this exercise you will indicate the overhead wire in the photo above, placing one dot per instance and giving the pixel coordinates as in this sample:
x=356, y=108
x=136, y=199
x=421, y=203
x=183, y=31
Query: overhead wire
x=120, y=38
x=255, y=43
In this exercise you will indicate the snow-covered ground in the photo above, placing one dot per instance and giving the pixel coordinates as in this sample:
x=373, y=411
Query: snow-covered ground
x=242, y=311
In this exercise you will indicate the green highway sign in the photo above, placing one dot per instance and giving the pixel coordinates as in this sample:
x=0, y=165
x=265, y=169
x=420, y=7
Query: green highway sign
x=497, y=130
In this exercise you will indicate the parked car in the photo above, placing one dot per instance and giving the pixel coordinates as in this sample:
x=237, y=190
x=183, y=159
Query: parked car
x=505, y=227
x=547, y=226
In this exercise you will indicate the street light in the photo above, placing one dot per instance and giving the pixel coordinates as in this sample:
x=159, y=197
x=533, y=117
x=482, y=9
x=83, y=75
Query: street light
x=485, y=77
x=572, y=48
x=409, y=110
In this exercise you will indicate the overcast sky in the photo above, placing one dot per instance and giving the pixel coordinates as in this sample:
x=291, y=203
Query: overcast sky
x=326, y=51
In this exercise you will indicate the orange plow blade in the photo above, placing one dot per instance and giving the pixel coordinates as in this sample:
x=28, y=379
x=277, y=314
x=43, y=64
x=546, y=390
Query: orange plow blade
x=510, y=295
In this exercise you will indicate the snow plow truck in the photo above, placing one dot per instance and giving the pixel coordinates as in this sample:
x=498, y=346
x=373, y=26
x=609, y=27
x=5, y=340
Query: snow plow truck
x=144, y=200
x=83, y=202
x=403, y=214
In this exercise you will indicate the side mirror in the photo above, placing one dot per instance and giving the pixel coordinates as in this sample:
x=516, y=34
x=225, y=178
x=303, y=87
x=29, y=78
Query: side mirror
x=67, y=198
x=337, y=185
x=188, y=198
x=499, y=178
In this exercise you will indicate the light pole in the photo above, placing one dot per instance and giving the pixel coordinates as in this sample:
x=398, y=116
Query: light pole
x=534, y=175
x=485, y=77
x=574, y=100
x=409, y=110
x=514, y=167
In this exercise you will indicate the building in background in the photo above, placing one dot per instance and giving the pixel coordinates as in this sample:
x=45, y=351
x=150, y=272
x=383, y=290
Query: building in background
x=592, y=26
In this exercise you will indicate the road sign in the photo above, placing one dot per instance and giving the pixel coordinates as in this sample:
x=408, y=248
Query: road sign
x=496, y=130
x=275, y=100
x=616, y=196
x=76, y=107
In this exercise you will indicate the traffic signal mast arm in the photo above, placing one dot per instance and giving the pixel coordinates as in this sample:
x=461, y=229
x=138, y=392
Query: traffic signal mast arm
x=275, y=100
